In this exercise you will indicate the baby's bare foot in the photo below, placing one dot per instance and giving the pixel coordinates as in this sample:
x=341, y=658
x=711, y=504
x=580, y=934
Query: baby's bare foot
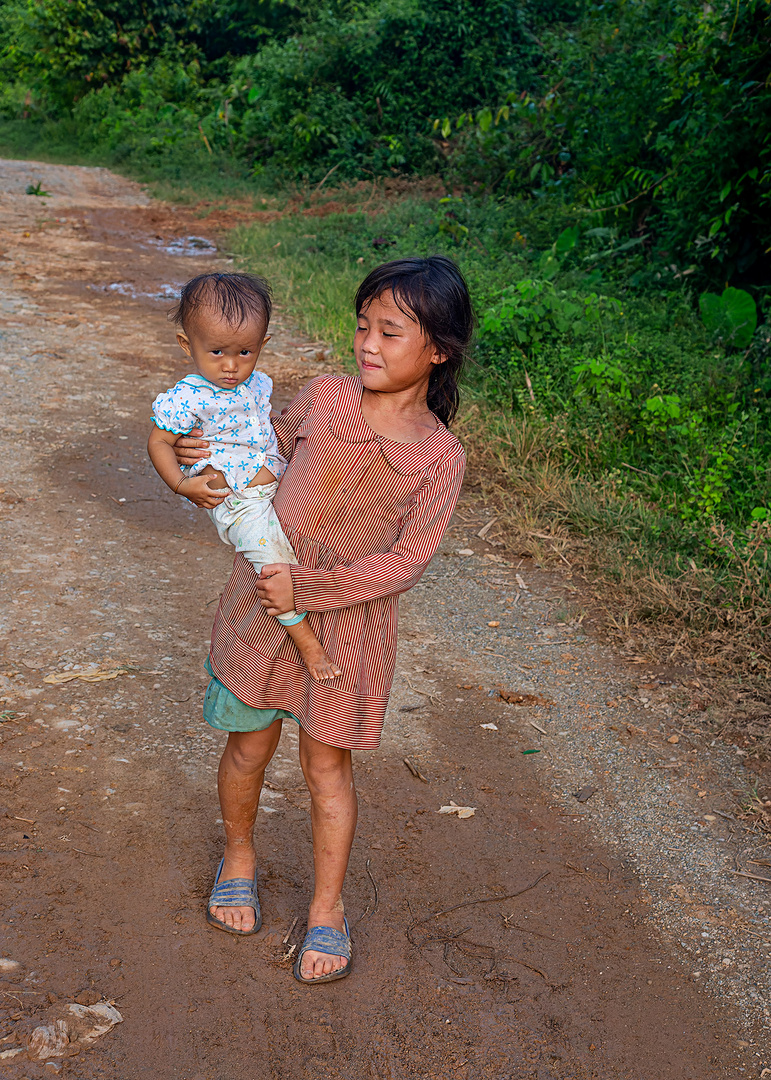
x=313, y=652
x=319, y=664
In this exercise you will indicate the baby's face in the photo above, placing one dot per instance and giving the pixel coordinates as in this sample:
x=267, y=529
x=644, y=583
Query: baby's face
x=223, y=354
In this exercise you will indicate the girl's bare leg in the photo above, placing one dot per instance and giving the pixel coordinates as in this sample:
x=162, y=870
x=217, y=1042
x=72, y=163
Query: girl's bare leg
x=334, y=808
x=241, y=773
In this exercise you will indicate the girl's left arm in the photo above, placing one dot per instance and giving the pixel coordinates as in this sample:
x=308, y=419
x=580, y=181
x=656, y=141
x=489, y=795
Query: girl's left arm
x=394, y=571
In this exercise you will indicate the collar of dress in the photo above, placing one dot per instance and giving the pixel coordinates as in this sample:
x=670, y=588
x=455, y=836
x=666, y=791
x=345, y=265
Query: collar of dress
x=349, y=426
x=194, y=379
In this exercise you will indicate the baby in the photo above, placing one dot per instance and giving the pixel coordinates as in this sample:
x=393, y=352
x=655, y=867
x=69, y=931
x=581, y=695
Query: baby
x=223, y=320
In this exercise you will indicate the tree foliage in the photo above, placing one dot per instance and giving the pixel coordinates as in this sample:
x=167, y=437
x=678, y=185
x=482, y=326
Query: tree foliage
x=650, y=118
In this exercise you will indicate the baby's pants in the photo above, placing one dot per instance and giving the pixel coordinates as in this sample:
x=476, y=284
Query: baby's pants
x=248, y=522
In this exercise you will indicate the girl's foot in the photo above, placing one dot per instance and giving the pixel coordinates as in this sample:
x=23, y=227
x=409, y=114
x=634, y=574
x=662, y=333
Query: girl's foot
x=315, y=964
x=238, y=865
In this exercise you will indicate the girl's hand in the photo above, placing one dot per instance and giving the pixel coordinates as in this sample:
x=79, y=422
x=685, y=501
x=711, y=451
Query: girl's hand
x=196, y=490
x=275, y=588
x=190, y=448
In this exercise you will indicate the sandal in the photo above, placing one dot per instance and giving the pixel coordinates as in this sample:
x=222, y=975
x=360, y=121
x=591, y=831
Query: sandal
x=239, y=892
x=325, y=939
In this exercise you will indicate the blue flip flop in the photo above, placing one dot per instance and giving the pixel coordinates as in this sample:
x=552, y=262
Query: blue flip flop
x=325, y=939
x=240, y=892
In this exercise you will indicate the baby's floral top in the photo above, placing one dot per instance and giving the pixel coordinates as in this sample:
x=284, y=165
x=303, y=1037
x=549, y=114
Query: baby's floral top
x=235, y=422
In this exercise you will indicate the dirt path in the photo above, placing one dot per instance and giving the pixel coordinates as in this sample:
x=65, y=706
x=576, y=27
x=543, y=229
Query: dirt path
x=633, y=954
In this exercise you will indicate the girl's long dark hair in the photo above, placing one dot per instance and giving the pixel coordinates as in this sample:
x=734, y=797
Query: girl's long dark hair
x=432, y=291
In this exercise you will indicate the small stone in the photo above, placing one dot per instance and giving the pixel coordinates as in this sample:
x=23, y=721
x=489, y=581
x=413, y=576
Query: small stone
x=494, y=623
x=710, y=817
x=465, y=551
x=115, y=962
x=674, y=739
x=8, y=966
x=88, y=997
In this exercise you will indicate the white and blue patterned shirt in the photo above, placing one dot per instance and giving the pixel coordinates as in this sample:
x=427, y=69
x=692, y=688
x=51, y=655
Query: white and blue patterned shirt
x=235, y=422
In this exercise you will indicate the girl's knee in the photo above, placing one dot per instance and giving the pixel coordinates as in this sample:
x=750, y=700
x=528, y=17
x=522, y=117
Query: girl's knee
x=326, y=769
x=250, y=751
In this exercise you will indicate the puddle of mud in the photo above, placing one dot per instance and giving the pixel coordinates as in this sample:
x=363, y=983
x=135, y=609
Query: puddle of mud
x=126, y=288
x=185, y=246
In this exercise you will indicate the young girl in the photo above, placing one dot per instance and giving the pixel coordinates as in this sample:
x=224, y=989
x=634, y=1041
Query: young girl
x=223, y=321
x=373, y=478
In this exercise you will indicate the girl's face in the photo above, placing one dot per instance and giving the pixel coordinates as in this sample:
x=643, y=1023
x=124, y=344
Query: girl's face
x=392, y=352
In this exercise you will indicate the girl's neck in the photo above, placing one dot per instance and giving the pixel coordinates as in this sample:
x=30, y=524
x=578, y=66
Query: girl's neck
x=403, y=416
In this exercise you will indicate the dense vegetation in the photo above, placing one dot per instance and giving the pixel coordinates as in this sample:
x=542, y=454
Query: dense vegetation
x=602, y=172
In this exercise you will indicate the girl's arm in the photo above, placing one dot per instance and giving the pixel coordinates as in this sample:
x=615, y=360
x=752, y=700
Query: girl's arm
x=394, y=571
x=160, y=447
x=288, y=422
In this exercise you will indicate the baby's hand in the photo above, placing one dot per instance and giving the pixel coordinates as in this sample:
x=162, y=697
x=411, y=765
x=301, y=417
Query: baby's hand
x=196, y=490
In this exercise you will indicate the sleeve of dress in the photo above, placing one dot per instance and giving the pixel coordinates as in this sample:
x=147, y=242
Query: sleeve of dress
x=175, y=410
x=394, y=571
x=287, y=423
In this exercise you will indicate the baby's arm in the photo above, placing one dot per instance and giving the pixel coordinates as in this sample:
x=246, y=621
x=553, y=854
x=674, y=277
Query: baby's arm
x=160, y=447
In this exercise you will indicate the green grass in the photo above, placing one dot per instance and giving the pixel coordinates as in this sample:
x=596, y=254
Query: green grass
x=581, y=474
x=582, y=471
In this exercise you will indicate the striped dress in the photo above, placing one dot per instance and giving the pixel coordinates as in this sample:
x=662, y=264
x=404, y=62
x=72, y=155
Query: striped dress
x=364, y=516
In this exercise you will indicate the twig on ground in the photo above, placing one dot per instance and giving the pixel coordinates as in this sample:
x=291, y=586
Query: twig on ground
x=524, y=929
x=288, y=934
x=470, y=903
x=530, y=967
x=95, y=854
x=753, y=877
x=374, y=885
x=415, y=771
x=486, y=528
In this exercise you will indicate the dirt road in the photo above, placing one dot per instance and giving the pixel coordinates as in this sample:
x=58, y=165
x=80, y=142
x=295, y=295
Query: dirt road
x=543, y=938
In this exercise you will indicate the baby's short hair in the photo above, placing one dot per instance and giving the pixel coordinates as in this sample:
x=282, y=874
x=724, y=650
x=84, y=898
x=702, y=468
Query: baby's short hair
x=237, y=297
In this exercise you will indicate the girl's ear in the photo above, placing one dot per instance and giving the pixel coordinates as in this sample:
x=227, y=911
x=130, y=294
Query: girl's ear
x=438, y=358
x=184, y=343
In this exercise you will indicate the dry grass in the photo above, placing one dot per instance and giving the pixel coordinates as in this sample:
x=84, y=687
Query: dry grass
x=716, y=616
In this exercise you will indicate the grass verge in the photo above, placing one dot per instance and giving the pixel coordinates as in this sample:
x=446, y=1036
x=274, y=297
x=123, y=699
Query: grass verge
x=670, y=589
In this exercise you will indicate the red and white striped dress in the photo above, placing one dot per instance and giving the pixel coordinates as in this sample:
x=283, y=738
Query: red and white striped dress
x=364, y=516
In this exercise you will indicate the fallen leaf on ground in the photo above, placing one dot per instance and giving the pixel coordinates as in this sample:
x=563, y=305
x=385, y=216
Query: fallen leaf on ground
x=461, y=811
x=56, y=678
x=515, y=698
x=69, y=1027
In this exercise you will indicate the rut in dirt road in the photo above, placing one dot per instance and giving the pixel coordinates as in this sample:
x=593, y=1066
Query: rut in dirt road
x=517, y=943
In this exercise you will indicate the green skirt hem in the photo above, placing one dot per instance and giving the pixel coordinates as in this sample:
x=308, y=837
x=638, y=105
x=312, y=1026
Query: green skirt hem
x=225, y=712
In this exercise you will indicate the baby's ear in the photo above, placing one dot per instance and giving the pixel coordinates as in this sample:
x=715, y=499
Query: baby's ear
x=265, y=341
x=184, y=343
